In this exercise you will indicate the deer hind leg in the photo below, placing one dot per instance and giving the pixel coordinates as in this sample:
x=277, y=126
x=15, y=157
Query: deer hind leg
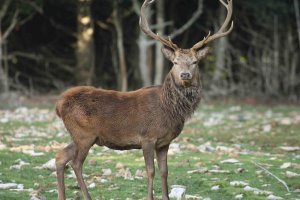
x=148, y=152
x=62, y=158
x=161, y=155
x=83, y=147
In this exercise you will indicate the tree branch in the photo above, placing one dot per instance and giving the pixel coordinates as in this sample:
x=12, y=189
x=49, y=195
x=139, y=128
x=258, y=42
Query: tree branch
x=34, y=6
x=195, y=16
x=281, y=181
x=11, y=26
x=4, y=9
x=39, y=58
x=25, y=20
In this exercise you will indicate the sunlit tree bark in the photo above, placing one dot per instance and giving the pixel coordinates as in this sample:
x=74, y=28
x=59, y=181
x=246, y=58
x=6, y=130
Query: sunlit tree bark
x=85, y=53
x=120, y=49
x=220, y=53
x=4, y=34
x=159, y=59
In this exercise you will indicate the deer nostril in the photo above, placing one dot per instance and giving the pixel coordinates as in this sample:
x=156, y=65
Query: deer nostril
x=185, y=76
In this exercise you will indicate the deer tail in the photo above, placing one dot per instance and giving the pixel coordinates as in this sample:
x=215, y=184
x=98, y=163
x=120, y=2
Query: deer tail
x=59, y=107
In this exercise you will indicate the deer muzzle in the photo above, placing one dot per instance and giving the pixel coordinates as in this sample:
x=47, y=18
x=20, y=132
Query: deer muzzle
x=185, y=76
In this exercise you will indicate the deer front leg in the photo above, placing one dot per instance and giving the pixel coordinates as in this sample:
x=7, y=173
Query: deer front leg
x=148, y=152
x=161, y=155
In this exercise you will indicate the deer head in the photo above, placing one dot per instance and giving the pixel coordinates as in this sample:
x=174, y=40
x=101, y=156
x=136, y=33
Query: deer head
x=185, y=61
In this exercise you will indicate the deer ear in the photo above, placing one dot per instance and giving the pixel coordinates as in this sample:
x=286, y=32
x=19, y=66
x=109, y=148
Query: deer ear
x=202, y=53
x=169, y=54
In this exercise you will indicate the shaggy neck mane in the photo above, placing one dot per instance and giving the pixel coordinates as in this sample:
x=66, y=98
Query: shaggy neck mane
x=179, y=101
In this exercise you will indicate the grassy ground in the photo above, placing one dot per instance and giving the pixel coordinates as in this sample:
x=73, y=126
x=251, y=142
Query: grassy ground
x=249, y=134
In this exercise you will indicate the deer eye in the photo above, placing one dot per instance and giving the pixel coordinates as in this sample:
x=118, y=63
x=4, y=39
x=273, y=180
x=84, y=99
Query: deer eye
x=194, y=63
x=175, y=63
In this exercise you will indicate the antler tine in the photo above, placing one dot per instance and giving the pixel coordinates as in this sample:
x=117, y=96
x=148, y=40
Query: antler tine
x=229, y=14
x=145, y=27
x=202, y=42
x=221, y=32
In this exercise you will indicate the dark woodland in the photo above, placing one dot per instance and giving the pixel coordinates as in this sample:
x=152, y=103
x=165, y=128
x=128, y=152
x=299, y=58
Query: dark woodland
x=47, y=46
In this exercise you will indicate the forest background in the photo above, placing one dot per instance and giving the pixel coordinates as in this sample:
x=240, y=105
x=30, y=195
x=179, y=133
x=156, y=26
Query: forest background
x=47, y=46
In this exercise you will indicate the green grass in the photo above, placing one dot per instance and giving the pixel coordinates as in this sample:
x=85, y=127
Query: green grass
x=258, y=130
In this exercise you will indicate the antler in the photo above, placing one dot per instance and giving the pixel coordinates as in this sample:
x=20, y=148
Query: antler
x=145, y=28
x=221, y=32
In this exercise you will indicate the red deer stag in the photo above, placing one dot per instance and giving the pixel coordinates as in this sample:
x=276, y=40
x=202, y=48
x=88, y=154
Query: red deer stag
x=148, y=118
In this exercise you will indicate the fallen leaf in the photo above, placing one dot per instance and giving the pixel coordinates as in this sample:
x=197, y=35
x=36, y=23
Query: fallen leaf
x=140, y=174
x=19, y=164
x=286, y=121
x=174, y=149
x=92, y=185
x=217, y=171
x=52, y=191
x=215, y=188
x=289, y=148
x=106, y=172
x=248, y=188
x=286, y=165
x=257, y=191
x=239, y=170
x=267, y=128
x=22, y=148
x=290, y=174
x=128, y=175
x=239, y=183
x=177, y=191
x=193, y=197
x=2, y=146
x=262, y=192
x=295, y=166
x=120, y=165
x=239, y=196
x=206, y=147
x=125, y=173
x=198, y=171
x=273, y=197
x=297, y=191
x=230, y=161
x=36, y=198
x=192, y=148
x=11, y=186
x=33, y=153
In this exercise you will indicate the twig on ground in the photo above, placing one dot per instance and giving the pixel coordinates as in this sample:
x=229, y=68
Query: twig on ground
x=270, y=173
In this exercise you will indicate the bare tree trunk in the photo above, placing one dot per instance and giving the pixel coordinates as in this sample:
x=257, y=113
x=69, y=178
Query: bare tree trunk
x=143, y=44
x=4, y=79
x=85, y=52
x=145, y=52
x=4, y=87
x=159, y=59
x=143, y=65
x=120, y=47
x=220, y=52
x=297, y=13
x=291, y=57
x=275, y=75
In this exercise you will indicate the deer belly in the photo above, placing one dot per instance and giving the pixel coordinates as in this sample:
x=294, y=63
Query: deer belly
x=119, y=141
